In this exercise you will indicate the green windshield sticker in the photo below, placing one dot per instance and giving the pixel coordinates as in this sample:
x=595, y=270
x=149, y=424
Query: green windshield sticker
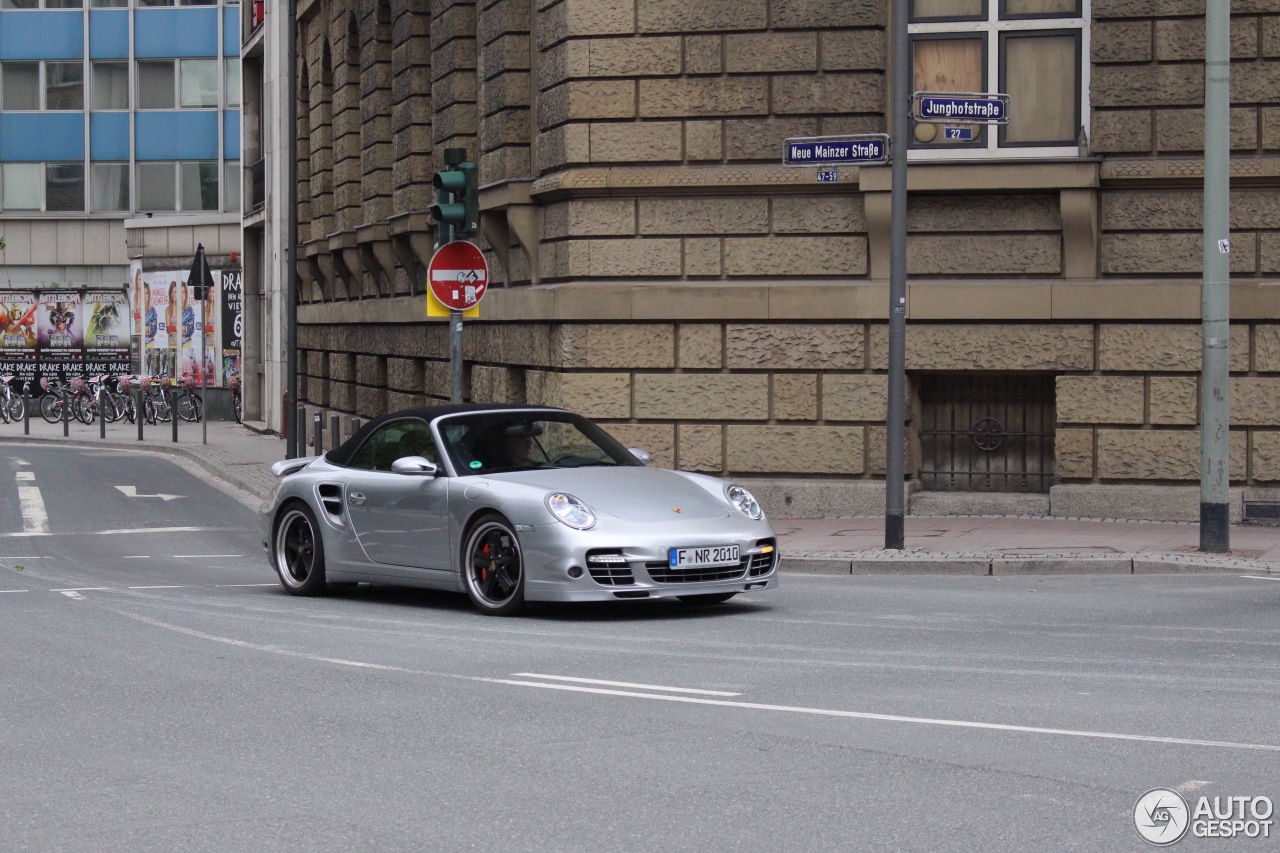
x=475, y=463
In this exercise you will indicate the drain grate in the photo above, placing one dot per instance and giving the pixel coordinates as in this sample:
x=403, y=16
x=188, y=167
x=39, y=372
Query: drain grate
x=1262, y=512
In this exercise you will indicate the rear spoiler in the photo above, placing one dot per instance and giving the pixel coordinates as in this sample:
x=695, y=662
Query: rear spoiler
x=285, y=467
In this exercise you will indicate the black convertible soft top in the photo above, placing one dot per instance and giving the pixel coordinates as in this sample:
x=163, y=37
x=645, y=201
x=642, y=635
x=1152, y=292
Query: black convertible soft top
x=342, y=456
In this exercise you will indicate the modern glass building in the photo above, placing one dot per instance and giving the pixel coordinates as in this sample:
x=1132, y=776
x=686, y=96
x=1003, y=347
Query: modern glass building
x=111, y=110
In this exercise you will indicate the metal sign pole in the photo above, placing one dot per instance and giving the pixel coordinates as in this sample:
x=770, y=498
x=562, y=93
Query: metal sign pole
x=895, y=422
x=204, y=372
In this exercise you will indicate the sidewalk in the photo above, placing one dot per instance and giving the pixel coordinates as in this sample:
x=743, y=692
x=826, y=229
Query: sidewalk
x=987, y=545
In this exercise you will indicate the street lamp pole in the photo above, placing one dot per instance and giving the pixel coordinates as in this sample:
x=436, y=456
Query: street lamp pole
x=1215, y=299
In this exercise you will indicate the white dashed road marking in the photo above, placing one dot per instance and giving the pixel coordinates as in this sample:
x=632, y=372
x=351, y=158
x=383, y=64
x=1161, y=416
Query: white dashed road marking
x=203, y=556
x=35, y=521
x=1260, y=578
x=622, y=684
x=25, y=476
x=71, y=593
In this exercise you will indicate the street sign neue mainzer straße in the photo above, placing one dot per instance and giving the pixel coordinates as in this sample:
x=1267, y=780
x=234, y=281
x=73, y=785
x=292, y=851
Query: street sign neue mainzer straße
x=836, y=150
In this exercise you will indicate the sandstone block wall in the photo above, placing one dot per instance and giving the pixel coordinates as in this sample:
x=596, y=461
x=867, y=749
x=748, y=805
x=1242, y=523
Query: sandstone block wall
x=728, y=314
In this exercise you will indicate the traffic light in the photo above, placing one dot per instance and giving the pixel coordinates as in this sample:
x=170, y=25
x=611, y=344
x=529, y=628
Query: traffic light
x=457, y=202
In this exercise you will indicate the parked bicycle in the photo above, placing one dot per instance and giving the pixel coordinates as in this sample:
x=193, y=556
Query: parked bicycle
x=188, y=404
x=12, y=407
x=56, y=397
x=155, y=402
x=233, y=382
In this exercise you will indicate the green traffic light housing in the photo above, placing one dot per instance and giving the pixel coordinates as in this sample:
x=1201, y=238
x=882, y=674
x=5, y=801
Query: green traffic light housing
x=457, y=200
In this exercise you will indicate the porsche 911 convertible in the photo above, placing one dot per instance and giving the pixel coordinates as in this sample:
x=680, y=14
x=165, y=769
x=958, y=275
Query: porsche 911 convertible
x=511, y=504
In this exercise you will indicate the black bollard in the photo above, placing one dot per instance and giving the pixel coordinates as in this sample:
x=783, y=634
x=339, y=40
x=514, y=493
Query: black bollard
x=317, y=434
x=66, y=415
x=102, y=415
x=139, y=411
x=173, y=413
x=301, y=430
x=26, y=413
x=335, y=432
x=355, y=425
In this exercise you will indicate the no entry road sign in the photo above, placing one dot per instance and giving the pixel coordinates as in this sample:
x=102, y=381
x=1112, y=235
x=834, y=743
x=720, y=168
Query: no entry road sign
x=458, y=275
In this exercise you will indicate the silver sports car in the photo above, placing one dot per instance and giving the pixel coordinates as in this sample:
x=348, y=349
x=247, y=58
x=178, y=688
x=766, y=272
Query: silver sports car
x=511, y=504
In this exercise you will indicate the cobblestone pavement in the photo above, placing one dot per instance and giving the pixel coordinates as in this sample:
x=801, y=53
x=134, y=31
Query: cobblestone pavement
x=241, y=456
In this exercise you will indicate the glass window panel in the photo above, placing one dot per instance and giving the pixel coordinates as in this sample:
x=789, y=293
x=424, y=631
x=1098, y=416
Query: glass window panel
x=199, y=2
x=64, y=86
x=109, y=4
x=932, y=10
x=232, y=85
x=1040, y=8
x=111, y=85
x=63, y=4
x=232, y=184
x=156, y=187
x=200, y=186
x=19, y=4
x=1040, y=74
x=21, y=183
x=199, y=82
x=21, y=81
x=153, y=3
x=947, y=65
x=64, y=186
x=111, y=186
x=155, y=84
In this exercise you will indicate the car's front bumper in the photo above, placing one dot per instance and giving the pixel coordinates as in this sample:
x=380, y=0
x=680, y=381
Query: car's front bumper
x=639, y=566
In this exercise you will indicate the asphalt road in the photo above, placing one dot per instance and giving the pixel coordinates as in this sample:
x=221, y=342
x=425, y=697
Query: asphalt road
x=159, y=691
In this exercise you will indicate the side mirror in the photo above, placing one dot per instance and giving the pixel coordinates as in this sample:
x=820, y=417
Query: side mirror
x=414, y=465
x=642, y=455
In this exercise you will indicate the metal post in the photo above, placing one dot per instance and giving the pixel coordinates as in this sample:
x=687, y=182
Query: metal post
x=66, y=412
x=302, y=430
x=26, y=412
x=317, y=433
x=353, y=426
x=335, y=431
x=1215, y=312
x=204, y=373
x=455, y=356
x=139, y=410
x=292, y=428
x=894, y=509
x=173, y=412
x=102, y=414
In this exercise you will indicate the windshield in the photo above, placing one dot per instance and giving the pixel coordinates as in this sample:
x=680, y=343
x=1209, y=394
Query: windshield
x=494, y=442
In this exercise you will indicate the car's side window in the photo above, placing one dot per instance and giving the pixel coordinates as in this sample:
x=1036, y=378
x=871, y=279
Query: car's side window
x=393, y=441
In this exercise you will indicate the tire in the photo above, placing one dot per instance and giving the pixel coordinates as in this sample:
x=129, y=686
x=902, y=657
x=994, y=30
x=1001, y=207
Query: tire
x=51, y=408
x=235, y=405
x=82, y=407
x=160, y=408
x=17, y=409
x=188, y=406
x=708, y=598
x=298, y=551
x=490, y=558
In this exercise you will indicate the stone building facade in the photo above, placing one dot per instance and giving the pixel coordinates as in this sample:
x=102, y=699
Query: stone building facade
x=657, y=268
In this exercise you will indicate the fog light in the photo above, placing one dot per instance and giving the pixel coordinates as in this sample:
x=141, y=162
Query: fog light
x=575, y=571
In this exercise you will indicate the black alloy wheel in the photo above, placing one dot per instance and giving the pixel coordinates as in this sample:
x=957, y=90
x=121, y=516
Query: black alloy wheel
x=493, y=567
x=299, y=551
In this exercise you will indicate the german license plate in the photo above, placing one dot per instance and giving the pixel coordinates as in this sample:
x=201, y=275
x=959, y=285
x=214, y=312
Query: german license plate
x=702, y=558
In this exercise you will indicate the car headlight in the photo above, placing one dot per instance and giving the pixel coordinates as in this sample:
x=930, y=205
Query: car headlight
x=744, y=501
x=571, y=511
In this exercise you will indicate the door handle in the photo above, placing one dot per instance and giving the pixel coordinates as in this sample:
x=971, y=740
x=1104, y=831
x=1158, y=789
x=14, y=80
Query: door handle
x=356, y=498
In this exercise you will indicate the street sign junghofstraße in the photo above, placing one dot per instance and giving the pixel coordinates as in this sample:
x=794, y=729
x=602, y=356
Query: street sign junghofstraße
x=836, y=150
x=961, y=107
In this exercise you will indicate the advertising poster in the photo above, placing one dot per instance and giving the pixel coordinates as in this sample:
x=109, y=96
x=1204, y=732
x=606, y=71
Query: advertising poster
x=155, y=325
x=18, y=337
x=136, y=288
x=106, y=334
x=60, y=329
x=190, y=326
x=232, y=322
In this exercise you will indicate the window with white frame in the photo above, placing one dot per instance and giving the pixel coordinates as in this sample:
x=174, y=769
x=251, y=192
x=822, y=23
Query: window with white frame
x=110, y=85
x=1035, y=51
x=168, y=186
x=35, y=187
x=110, y=187
x=36, y=4
x=41, y=86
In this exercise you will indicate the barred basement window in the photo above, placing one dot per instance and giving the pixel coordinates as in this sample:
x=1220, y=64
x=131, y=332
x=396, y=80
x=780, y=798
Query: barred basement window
x=1035, y=51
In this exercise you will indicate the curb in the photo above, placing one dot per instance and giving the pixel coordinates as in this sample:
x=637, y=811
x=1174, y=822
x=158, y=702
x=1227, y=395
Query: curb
x=1005, y=565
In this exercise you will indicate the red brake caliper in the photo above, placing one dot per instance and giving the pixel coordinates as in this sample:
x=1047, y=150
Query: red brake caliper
x=484, y=573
